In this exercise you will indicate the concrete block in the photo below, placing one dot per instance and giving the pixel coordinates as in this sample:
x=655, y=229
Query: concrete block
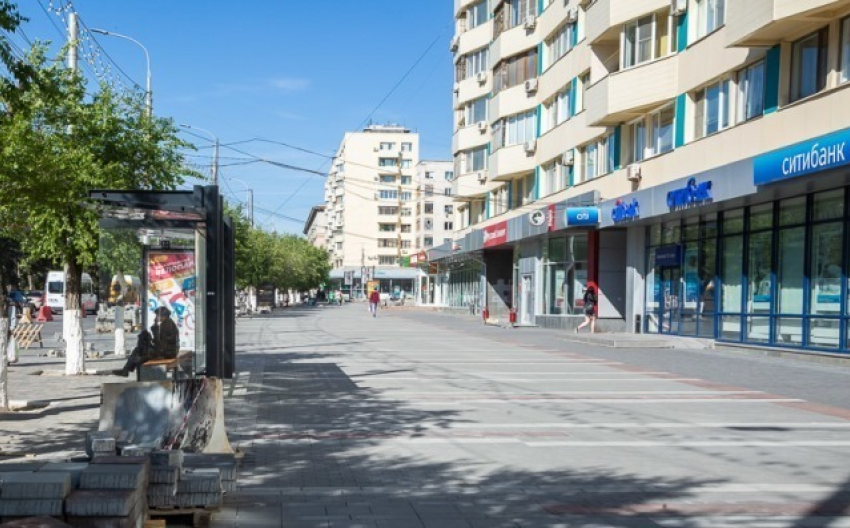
x=106, y=522
x=114, y=477
x=228, y=486
x=13, y=467
x=35, y=485
x=72, y=468
x=101, y=503
x=99, y=442
x=167, y=458
x=162, y=490
x=141, y=460
x=227, y=464
x=134, y=451
x=36, y=522
x=162, y=501
x=164, y=475
x=30, y=507
x=199, y=480
x=199, y=500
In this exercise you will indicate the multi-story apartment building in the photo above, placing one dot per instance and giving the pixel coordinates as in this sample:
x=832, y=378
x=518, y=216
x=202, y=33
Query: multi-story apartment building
x=434, y=204
x=687, y=158
x=316, y=227
x=370, y=202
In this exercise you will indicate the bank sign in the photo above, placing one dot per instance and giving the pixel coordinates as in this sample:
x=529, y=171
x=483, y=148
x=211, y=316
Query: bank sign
x=819, y=154
x=582, y=216
x=693, y=194
x=625, y=211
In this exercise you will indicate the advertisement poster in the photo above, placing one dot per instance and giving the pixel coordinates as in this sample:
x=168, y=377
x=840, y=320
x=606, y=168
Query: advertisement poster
x=171, y=283
x=691, y=277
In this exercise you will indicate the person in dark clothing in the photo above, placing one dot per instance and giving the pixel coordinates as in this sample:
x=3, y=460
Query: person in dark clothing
x=163, y=344
x=166, y=336
x=590, y=301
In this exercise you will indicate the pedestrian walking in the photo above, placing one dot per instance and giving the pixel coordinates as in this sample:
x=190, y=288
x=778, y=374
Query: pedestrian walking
x=374, y=299
x=590, y=300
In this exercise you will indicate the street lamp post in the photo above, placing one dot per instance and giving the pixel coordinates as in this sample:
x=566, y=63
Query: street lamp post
x=250, y=199
x=148, y=92
x=215, y=151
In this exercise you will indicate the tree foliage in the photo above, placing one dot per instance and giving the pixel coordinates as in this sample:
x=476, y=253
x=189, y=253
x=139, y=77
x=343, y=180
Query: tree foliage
x=287, y=261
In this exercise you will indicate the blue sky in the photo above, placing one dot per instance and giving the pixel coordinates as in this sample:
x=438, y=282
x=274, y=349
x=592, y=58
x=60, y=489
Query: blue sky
x=301, y=73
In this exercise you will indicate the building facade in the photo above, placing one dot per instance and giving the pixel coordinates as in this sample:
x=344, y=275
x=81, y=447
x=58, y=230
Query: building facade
x=435, y=221
x=687, y=158
x=316, y=227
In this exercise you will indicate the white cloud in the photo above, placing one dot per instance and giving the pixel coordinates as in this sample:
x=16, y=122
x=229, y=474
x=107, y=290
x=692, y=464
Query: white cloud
x=290, y=84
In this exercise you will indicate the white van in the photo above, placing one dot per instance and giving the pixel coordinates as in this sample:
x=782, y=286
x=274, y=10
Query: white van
x=54, y=292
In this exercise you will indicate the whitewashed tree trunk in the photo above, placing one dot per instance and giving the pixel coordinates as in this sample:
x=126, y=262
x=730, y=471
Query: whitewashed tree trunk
x=72, y=331
x=120, y=343
x=12, y=345
x=4, y=369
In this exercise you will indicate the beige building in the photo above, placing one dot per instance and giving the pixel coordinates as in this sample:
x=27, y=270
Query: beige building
x=316, y=227
x=434, y=204
x=667, y=147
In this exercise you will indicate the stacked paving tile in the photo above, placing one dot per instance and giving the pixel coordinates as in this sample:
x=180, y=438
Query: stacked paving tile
x=111, y=494
x=32, y=494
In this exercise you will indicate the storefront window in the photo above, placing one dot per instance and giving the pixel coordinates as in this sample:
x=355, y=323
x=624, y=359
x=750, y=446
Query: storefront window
x=829, y=205
x=826, y=269
x=671, y=233
x=691, y=229
x=655, y=235
x=566, y=274
x=759, y=298
x=733, y=221
x=761, y=217
x=707, y=267
x=792, y=251
x=692, y=287
x=733, y=250
x=792, y=211
x=653, y=291
x=709, y=226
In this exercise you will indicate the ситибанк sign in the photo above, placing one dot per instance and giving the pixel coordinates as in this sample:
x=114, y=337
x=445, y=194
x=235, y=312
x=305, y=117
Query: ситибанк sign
x=815, y=155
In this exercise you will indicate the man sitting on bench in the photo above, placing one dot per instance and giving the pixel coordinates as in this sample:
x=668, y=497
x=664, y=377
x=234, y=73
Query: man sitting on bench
x=164, y=344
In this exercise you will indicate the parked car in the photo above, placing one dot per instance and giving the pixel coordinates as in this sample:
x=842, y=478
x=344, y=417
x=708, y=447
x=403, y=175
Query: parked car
x=35, y=298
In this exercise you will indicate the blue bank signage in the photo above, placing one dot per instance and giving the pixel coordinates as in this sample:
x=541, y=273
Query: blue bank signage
x=668, y=256
x=693, y=194
x=819, y=154
x=625, y=211
x=582, y=216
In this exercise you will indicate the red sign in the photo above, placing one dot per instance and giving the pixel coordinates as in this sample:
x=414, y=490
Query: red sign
x=551, y=217
x=496, y=234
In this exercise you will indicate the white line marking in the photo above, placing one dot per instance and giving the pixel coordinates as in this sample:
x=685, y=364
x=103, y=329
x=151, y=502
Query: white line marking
x=687, y=443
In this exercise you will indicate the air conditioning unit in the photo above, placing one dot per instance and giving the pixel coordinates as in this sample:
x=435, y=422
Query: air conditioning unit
x=481, y=177
x=482, y=126
x=530, y=146
x=633, y=172
x=481, y=77
x=454, y=43
x=568, y=158
x=678, y=7
x=530, y=22
x=572, y=15
x=531, y=85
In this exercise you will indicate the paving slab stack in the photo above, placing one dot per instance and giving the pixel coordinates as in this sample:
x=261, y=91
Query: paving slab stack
x=113, y=491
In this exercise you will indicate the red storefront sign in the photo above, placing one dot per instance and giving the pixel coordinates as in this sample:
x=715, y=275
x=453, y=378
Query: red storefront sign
x=496, y=234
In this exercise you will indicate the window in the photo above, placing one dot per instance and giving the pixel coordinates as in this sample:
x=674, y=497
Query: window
x=447, y=191
x=406, y=164
x=387, y=242
x=475, y=159
x=385, y=210
x=429, y=207
x=387, y=178
x=589, y=161
x=428, y=241
x=515, y=70
x=712, y=109
x=387, y=146
x=475, y=63
x=559, y=44
x=448, y=226
x=557, y=109
x=555, y=177
x=647, y=38
x=406, y=180
x=478, y=14
x=637, y=135
x=406, y=196
x=808, y=64
x=662, y=130
x=388, y=195
x=476, y=111
x=405, y=211
x=845, y=50
x=448, y=209
x=387, y=162
x=384, y=260
x=447, y=241
x=386, y=227
x=449, y=175
x=583, y=84
x=428, y=225
x=429, y=175
x=429, y=190
x=711, y=14
x=515, y=129
x=524, y=190
x=405, y=228
x=751, y=92
x=518, y=11
x=406, y=147
x=499, y=201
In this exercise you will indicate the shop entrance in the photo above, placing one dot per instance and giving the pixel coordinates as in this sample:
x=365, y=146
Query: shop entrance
x=526, y=301
x=671, y=300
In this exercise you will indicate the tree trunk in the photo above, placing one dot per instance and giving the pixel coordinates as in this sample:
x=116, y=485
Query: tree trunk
x=4, y=340
x=12, y=344
x=120, y=344
x=72, y=325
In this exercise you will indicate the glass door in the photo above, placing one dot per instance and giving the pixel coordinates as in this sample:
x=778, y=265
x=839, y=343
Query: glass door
x=670, y=290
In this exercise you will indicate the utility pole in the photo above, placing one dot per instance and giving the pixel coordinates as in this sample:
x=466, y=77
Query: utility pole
x=215, y=163
x=251, y=206
x=398, y=223
x=72, y=41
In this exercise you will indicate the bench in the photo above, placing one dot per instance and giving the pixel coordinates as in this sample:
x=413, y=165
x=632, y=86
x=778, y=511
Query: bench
x=158, y=369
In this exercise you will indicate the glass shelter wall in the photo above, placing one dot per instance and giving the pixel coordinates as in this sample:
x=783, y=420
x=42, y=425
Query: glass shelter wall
x=774, y=273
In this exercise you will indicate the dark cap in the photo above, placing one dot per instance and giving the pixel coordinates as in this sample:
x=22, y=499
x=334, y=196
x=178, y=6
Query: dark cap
x=163, y=311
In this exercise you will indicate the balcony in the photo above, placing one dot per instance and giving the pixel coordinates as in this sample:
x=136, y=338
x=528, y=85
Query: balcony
x=475, y=38
x=470, y=186
x=767, y=22
x=507, y=162
x=470, y=136
x=605, y=17
x=565, y=136
x=512, y=101
x=628, y=94
x=513, y=41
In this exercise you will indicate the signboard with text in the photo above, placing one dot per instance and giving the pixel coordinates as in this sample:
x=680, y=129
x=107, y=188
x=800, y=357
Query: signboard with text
x=496, y=234
x=171, y=283
x=815, y=155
